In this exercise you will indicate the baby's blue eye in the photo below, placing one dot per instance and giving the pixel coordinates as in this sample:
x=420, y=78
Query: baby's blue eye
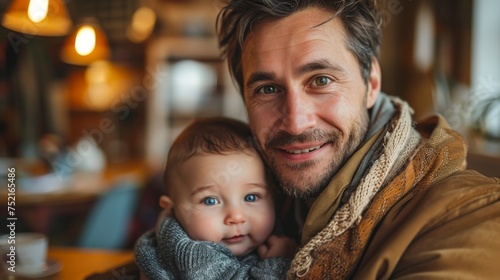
x=250, y=198
x=210, y=201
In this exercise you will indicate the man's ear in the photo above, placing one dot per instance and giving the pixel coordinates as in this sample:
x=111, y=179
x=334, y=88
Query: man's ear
x=166, y=203
x=374, y=83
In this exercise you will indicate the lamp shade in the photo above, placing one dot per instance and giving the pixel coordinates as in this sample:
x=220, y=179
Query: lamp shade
x=142, y=24
x=38, y=17
x=86, y=44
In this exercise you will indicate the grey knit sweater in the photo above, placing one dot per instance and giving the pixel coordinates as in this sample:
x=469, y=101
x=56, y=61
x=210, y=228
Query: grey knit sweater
x=169, y=253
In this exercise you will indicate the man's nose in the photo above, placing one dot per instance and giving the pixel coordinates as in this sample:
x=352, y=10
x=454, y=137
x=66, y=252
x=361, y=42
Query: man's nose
x=297, y=112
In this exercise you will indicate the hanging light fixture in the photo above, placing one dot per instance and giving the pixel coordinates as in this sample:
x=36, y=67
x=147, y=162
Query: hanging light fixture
x=38, y=17
x=141, y=25
x=86, y=44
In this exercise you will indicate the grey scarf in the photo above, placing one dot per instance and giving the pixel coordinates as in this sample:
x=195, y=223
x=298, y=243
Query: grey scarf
x=169, y=253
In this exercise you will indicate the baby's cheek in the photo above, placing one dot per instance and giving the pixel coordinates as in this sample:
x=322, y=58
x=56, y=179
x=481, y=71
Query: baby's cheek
x=263, y=227
x=203, y=229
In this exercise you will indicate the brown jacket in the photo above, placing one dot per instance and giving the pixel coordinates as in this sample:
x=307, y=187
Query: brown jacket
x=430, y=222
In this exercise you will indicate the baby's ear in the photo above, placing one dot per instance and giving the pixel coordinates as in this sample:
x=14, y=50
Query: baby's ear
x=168, y=208
x=166, y=203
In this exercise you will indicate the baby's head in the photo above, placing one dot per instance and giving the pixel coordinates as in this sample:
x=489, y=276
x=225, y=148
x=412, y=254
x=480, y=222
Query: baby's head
x=217, y=186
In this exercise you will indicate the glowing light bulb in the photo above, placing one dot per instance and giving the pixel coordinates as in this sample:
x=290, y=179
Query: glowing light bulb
x=143, y=19
x=143, y=22
x=85, y=40
x=37, y=10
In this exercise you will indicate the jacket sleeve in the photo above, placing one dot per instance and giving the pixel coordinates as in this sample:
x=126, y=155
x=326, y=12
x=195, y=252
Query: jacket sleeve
x=451, y=232
x=463, y=243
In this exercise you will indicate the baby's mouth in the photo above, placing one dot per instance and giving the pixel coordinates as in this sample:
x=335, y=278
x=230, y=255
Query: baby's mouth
x=234, y=239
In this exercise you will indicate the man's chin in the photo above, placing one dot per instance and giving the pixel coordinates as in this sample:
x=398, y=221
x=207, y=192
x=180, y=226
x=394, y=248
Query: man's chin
x=300, y=188
x=301, y=193
x=296, y=184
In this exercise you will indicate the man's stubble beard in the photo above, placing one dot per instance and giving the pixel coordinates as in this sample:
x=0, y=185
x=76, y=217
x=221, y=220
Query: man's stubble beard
x=308, y=184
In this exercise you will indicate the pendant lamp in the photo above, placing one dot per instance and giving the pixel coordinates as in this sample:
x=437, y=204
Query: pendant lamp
x=142, y=24
x=38, y=17
x=86, y=44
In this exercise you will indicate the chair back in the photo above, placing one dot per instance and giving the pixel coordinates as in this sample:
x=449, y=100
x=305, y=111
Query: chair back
x=107, y=225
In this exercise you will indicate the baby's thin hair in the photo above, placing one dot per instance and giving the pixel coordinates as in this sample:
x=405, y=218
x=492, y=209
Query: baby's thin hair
x=211, y=136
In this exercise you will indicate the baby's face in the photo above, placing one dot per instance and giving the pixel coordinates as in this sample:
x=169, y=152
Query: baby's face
x=225, y=199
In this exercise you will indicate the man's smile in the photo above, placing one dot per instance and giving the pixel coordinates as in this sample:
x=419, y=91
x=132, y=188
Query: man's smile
x=303, y=151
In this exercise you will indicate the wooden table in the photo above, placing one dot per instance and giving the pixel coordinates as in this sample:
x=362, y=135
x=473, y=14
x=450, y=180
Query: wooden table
x=81, y=187
x=78, y=264
x=36, y=209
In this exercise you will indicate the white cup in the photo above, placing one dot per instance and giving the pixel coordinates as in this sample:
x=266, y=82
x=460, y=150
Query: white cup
x=24, y=252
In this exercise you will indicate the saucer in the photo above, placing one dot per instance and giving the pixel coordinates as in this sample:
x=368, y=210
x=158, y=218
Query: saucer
x=51, y=267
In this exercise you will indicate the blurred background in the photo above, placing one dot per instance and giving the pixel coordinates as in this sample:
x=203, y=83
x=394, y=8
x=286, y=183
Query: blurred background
x=93, y=92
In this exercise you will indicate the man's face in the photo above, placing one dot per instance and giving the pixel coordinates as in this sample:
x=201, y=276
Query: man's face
x=306, y=99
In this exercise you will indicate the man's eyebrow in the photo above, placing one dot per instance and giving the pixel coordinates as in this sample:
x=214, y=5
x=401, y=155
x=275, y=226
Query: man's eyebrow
x=321, y=64
x=260, y=76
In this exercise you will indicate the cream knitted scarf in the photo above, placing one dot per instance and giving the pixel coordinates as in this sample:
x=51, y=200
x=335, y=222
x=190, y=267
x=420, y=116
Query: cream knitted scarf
x=398, y=145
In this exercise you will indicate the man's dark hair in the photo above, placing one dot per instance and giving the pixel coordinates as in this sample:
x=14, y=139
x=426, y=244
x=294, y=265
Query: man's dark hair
x=360, y=18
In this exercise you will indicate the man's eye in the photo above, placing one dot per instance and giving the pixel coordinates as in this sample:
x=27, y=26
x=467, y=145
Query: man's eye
x=269, y=89
x=321, y=81
x=250, y=198
x=210, y=201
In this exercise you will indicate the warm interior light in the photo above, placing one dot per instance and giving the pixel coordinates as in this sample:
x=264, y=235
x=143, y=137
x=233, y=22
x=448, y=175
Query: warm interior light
x=37, y=10
x=86, y=44
x=99, y=86
x=37, y=17
x=143, y=19
x=143, y=22
x=85, y=40
x=98, y=72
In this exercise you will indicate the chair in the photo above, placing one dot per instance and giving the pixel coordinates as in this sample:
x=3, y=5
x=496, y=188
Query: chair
x=107, y=225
